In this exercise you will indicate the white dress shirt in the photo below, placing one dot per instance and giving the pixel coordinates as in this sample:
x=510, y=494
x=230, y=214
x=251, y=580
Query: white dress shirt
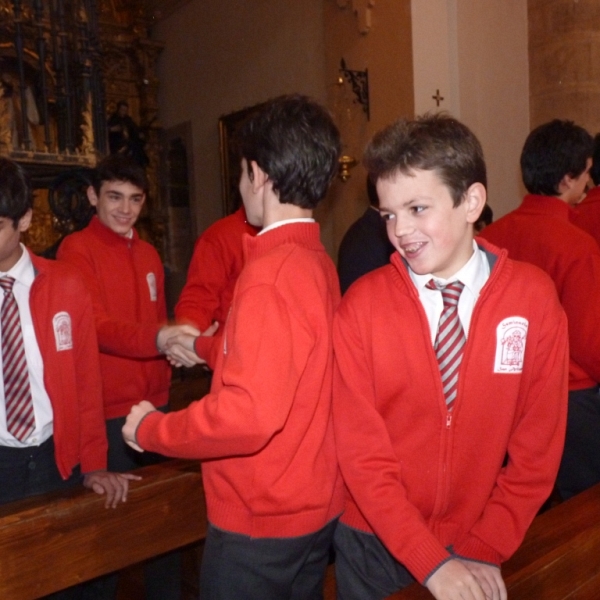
x=473, y=275
x=23, y=274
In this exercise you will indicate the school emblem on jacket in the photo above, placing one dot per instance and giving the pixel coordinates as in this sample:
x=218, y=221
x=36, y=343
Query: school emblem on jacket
x=151, y=279
x=62, y=331
x=511, y=336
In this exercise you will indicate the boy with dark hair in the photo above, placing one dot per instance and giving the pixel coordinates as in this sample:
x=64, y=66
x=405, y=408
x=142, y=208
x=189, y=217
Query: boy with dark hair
x=587, y=213
x=51, y=418
x=270, y=474
x=555, y=163
x=450, y=385
x=365, y=246
x=125, y=278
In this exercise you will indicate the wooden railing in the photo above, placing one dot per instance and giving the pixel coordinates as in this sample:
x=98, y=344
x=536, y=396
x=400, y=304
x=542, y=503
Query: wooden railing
x=53, y=541
x=558, y=560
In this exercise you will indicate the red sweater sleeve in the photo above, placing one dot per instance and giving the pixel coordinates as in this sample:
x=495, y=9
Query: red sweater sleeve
x=578, y=293
x=207, y=348
x=208, y=276
x=92, y=434
x=368, y=462
x=265, y=352
x=535, y=446
x=115, y=336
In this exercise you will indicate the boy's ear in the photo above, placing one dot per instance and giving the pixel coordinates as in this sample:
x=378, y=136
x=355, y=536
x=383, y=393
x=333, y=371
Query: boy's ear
x=259, y=177
x=566, y=183
x=92, y=196
x=475, y=198
x=25, y=221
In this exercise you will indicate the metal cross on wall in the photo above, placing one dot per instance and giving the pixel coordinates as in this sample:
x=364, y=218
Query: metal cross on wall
x=437, y=97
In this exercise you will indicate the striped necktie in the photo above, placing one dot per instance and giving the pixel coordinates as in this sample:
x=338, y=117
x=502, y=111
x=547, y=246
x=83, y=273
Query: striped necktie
x=20, y=419
x=450, y=339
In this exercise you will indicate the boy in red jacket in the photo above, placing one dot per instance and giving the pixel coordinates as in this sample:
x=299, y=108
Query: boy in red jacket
x=125, y=278
x=555, y=165
x=50, y=432
x=450, y=385
x=270, y=474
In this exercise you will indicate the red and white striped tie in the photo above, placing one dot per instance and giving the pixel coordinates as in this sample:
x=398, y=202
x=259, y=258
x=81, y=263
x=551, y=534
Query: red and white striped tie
x=20, y=420
x=450, y=339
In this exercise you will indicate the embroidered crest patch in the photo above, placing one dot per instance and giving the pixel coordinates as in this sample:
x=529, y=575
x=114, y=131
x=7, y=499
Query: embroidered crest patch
x=151, y=279
x=62, y=331
x=511, y=336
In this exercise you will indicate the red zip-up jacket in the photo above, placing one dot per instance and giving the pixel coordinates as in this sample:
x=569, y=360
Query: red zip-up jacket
x=541, y=232
x=424, y=479
x=265, y=430
x=126, y=281
x=64, y=329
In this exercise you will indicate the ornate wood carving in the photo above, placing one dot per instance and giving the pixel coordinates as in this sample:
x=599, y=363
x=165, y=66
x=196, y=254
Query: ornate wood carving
x=64, y=66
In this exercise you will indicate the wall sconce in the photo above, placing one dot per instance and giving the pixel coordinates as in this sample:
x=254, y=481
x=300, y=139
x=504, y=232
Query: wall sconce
x=346, y=163
x=359, y=82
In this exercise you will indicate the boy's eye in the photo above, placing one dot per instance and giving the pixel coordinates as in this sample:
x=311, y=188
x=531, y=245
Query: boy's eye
x=417, y=209
x=386, y=216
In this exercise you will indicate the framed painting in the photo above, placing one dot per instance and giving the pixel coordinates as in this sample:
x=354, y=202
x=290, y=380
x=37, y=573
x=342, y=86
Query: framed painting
x=230, y=161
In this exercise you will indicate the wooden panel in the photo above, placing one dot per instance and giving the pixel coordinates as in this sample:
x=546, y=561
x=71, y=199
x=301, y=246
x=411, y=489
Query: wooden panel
x=54, y=541
x=558, y=560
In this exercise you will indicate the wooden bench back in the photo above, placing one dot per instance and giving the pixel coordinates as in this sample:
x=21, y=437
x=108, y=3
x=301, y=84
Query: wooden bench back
x=559, y=558
x=51, y=542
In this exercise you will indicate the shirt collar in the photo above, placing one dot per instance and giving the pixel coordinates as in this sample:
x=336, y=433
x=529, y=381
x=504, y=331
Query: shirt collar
x=285, y=222
x=22, y=271
x=473, y=274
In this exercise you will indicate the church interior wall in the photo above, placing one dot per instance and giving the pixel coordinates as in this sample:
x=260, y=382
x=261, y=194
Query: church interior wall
x=386, y=51
x=221, y=56
x=494, y=90
x=475, y=53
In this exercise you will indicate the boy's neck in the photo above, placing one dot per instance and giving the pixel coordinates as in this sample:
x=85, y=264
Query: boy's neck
x=275, y=211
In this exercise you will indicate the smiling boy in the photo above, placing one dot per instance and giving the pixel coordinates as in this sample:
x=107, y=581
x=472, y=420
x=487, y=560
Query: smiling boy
x=125, y=278
x=450, y=387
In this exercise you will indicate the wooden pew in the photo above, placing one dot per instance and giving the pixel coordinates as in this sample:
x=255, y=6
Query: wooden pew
x=559, y=557
x=54, y=541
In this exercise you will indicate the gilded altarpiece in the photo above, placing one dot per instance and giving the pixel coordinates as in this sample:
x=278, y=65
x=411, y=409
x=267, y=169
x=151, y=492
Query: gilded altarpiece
x=64, y=66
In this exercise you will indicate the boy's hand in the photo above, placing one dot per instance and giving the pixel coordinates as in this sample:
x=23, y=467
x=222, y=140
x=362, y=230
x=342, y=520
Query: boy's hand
x=453, y=581
x=489, y=578
x=137, y=413
x=113, y=485
x=180, y=348
x=168, y=331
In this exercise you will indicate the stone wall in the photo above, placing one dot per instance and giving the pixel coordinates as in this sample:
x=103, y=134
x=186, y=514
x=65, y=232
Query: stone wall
x=564, y=61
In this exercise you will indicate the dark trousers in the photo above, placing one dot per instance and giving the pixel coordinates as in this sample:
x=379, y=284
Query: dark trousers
x=364, y=569
x=239, y=567
x=580, y=464
x=31, y=471
x=162, y=575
